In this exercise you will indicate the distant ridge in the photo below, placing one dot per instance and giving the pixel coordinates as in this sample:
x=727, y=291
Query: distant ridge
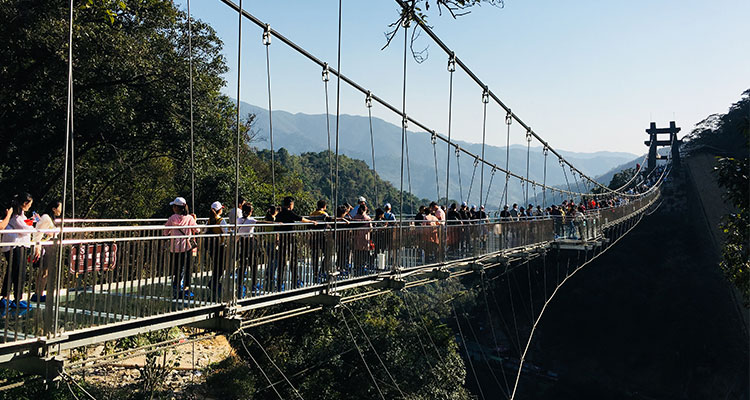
x=300, y=133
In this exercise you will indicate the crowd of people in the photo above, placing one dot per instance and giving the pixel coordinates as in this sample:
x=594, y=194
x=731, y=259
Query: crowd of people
x=357, y=246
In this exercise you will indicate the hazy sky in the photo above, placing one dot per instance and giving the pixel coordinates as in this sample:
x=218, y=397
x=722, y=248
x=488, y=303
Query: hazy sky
x=585, y=75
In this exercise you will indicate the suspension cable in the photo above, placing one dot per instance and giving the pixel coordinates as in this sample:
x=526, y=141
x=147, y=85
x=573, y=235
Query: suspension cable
x=257, y=365
x=567, y=182
x=544, y=180
x=572, y=172
x=466, y=349
x=68, y=128
x=235, y=238
x=368, y=104
x=433, y=140
x=374, y=350
x=508, y=121
x=451, y=70
x=390, y=107
x=267, y=43
x=192, y=135
x=458, y=165
x=404, y=122
x=492, y=178
x=528, y=156
x=506, y=389
x=338, y=120
x=361, y=355
x=476, y=163
x=273, y=363
x=326, y=78
x=549, y=300
x=427, y=29
x=485, y=100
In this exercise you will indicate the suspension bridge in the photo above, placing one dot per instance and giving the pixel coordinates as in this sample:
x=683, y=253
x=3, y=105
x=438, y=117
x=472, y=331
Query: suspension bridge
x=110, y=279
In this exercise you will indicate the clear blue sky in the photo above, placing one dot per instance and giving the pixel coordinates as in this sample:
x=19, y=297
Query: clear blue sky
x=586, y=75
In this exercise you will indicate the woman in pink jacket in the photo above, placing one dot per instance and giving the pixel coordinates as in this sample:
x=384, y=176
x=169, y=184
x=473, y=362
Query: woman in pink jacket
x=181, y=247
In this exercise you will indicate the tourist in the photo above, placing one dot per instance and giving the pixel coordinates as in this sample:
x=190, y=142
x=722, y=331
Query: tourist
x=16, y=255
x=360, y=202
x=46, y=222
x=235, y=212
x=514, y=214
x=181, y=248
x=464, y=212
x=343, y=242
x=318, y=237
x=439, y=212
x=481, y=214
x=505, y=214
x=453, y=215
x=247, y=256
x=4, y=222
x=287, y=242
x=271, y=214
x=362, y=243
x=216, y=247
x=388, y=215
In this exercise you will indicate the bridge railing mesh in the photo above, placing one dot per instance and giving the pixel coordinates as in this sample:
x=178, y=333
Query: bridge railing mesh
x=117, y=274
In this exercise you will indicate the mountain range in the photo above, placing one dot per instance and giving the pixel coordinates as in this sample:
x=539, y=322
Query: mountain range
x=299, y=133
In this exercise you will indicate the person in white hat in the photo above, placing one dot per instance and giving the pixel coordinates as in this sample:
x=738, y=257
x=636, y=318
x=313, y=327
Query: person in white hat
x=360, y=201
x=181, y=247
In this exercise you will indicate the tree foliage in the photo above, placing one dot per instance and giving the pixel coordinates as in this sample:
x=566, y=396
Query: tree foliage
x=734, y=175
x=318, y=355
x=730, y=134
x=131, y=109
x=356, y=179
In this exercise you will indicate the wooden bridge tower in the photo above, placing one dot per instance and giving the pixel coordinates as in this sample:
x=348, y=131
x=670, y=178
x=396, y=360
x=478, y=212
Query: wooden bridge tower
x=653, y=143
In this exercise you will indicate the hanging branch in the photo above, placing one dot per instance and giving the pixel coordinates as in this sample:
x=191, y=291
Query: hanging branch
x=412, y=10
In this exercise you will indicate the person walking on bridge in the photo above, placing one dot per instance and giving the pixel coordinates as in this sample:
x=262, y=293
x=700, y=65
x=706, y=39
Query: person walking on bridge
x=16, y=255
x=216, y=247
x=287, y=242
x=181, y=247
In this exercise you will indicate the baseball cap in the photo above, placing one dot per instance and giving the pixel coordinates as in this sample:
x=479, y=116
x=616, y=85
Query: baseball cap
x=361, y=200
x=463, y=203
x=178, y=201
x=387, y=206
x=216, y=206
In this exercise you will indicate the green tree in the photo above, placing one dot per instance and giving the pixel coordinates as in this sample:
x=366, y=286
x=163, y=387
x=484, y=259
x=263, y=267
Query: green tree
x=729, y=134
x=734, y=175
x=131, y=105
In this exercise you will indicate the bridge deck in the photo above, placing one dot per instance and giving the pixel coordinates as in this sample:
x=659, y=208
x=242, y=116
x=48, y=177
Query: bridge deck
x=125, y=284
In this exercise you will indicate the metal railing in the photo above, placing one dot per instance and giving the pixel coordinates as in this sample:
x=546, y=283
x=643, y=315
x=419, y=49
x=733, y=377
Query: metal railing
x=115, y=274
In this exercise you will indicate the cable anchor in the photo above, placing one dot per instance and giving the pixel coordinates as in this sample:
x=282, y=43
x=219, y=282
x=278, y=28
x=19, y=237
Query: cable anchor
x=509, y=117
x=267, y=35
x=528, y=134
x=405, y=122
x=452, y=62
x=458, y=151
x=368, y=99
x=485, y=95
x=325, y=73
x=433, y=137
